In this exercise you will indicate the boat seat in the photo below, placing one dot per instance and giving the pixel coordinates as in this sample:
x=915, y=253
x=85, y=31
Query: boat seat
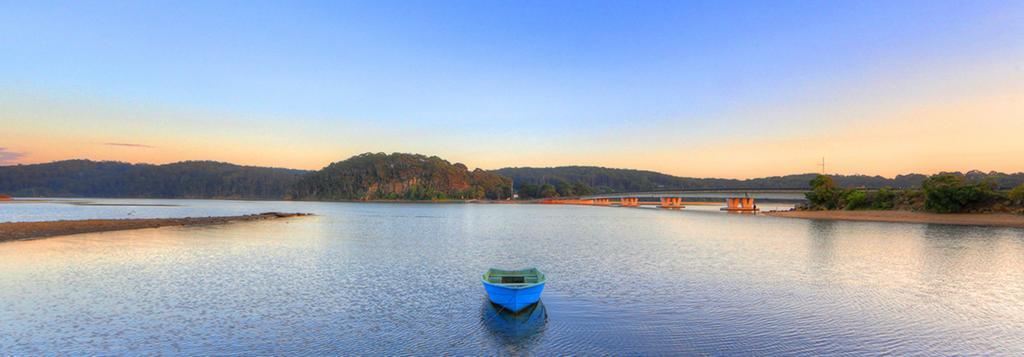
x=513, y=279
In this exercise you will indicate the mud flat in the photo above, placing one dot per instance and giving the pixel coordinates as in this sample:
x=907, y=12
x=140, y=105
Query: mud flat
x=34, y=230
x=967, y=219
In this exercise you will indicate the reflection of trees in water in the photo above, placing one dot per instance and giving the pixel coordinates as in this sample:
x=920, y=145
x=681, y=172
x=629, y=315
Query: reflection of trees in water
x=821, y=244
x=519, y=330
x=953, y=251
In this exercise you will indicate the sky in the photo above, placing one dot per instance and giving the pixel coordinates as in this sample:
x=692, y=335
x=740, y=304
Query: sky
x=690, y=88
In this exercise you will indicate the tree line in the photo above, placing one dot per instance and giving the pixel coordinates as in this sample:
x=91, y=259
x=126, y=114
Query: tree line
x=401, y=176
x=942, y=193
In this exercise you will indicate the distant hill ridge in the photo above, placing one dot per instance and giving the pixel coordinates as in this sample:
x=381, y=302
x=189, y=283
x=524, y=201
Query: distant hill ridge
x=387, y=176
x=186, y=179
x=603, y=179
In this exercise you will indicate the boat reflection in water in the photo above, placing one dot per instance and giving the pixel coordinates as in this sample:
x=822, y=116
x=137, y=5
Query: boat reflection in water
x=515, y=327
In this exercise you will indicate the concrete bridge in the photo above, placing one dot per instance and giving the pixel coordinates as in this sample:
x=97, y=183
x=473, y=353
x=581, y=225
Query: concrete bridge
x=731, y=200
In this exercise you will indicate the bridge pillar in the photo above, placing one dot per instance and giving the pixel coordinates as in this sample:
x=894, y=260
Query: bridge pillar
x=745, y=204
x=671, y=202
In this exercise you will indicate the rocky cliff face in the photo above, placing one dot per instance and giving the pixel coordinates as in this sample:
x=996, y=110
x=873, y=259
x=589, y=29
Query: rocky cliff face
x=399, y=176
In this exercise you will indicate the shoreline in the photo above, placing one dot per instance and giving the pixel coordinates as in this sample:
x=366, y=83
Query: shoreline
x=15, y=231
x=85, y=201
x=1008, y=220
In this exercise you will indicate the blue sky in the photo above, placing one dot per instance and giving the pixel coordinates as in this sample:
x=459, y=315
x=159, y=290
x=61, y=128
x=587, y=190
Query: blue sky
x=492, y=83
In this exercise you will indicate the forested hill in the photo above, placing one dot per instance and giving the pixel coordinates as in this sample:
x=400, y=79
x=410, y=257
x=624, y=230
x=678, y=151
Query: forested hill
x=188, y=179
x=388, y=176
x=399, y=176
x=600, y=179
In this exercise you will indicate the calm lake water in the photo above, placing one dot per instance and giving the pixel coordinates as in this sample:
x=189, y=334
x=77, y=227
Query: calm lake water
x=404, y=279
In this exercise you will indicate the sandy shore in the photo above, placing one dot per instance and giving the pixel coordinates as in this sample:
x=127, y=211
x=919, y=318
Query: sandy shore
x=34, y=230
x=970, y=219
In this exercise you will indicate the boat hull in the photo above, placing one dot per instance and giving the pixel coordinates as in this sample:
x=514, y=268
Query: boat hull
x=513, y=298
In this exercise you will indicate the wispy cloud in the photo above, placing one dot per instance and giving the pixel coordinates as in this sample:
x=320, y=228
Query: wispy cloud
x=131, y=145
x=8, y=157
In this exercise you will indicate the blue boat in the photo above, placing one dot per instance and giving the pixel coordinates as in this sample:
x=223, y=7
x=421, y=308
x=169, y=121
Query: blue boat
x=514, y=289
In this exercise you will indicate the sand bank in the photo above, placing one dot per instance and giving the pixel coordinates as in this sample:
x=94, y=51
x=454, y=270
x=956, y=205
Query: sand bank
x=34, y=230
x=970, y=219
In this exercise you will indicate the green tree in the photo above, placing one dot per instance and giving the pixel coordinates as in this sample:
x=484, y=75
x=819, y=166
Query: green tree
x=946, y=193
x=1016, y=195
x=884, y=198
x=528, y=191
x=546, y=191
x=824, y=193
x=581, y=189
x=564, y=189
x=854, y=199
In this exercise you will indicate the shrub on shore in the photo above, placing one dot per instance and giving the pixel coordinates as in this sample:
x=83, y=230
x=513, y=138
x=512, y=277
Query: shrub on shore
x=1016, y=195
x=854, y=199
x=946, y=193
x=884, y=198
x=825, y=195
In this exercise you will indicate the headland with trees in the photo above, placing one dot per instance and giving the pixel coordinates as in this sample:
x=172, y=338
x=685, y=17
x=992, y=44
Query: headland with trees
x=942, y=193
x=947, y=198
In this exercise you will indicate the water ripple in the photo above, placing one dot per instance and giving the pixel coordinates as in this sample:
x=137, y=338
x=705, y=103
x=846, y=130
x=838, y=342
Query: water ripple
x=384, y=279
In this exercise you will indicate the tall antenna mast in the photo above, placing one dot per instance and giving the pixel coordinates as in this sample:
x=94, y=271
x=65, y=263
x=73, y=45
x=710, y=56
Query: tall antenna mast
x=822, y=165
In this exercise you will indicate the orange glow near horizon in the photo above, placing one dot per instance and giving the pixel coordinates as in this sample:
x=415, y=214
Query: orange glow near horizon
x=940, y=138
x=923, y=130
